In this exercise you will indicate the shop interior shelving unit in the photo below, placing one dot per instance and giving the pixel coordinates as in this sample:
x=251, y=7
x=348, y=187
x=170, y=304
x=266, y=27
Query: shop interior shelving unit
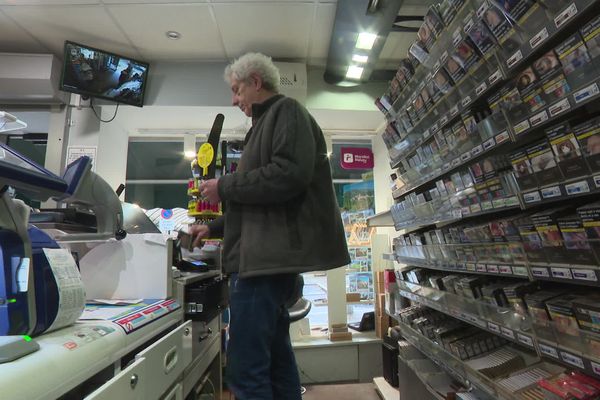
x=487, y=140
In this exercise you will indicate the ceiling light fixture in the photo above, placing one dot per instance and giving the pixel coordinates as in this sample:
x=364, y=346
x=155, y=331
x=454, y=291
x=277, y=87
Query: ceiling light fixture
x=354, y=72
x=173, y=35
x=365, y=40
x=360, y=58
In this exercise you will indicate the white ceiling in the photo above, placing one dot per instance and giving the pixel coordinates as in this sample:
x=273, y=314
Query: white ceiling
x=212, y=30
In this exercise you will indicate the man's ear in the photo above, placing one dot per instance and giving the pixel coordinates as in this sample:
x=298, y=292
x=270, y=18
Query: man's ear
x=257, y=81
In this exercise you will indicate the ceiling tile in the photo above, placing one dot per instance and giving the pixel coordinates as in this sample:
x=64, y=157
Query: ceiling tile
x=199, y=34
x=47, y=2
x=320, y=34
x=279, y=30
x=89, y=25
x=152, y=1
x=14, y=39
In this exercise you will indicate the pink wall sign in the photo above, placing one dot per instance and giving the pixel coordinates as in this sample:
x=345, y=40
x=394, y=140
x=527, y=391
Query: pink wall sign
x=356, y=158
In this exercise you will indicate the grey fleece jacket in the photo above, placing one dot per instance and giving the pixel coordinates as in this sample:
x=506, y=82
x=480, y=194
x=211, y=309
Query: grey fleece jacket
x=281, y=212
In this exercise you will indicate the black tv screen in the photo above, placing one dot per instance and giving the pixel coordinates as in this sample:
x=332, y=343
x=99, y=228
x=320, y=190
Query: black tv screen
x=96, y=73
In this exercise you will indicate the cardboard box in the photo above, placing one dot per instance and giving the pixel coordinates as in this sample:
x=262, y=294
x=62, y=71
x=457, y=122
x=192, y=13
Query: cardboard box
x=352, y=297
x=339, y=336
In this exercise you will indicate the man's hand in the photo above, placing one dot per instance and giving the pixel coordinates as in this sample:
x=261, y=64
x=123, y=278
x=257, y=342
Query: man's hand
x=198, y=232
x=210, y=191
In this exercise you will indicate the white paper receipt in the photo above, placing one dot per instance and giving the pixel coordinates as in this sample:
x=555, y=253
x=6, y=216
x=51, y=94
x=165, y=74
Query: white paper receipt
x=71, y=292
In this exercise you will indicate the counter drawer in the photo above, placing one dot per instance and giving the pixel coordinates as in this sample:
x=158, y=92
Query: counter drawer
x=166, y=360
x=128, y=384
x=203, y=333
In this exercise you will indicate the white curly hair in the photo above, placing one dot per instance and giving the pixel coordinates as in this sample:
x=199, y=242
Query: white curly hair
x=254, y=63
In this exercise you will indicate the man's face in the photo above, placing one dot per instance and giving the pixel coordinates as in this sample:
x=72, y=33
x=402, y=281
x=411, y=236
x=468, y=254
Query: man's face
x=244, y=94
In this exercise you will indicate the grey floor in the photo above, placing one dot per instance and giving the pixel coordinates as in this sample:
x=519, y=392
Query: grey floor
x=353, y=391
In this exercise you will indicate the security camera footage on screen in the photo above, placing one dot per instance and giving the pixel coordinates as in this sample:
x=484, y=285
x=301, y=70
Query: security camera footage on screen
x=99, y=74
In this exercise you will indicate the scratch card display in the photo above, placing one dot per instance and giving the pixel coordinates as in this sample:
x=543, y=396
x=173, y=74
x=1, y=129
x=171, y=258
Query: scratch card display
x=591, y=36
x=567, y=151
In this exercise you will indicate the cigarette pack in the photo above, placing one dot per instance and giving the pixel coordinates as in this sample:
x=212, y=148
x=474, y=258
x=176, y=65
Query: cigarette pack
x=588, y=135
x=591, y=35
x=567, y=151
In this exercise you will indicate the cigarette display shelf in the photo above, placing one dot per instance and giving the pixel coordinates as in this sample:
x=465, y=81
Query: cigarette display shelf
x=506, y=130
x=382, y=219
x=579, y=349
x=483, y=387
x=514, y=259
x=540, y=35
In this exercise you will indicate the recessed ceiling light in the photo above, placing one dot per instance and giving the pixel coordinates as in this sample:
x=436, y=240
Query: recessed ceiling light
x=359, y=58
x=354, y=72
x=174, y=35
x=365, y=40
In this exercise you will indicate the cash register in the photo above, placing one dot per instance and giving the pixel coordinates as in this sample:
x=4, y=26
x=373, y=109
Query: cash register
x=29, y=297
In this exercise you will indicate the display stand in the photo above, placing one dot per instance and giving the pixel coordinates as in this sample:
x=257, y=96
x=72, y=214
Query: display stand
x=492, y=131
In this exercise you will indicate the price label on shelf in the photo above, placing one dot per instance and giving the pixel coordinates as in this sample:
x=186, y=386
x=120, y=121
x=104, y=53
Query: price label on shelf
x=505, y=269
x=539, y=118
x=540, y=272
x=512, y=201
x=487, y=205
x=559, y=107
x=456, y=162
x=507, y=332
x=520, y=271
x=550, y=192
x=435, y=127
x=453, y=111
x=522, y=127
x=475, y=208
x=586, y=93
x=481, y=88
x=548, y=350
x=536, y=40
x=457, y=36
x=466, y=101
x=493, y=269
x=493, y=327
x=444, y=57
x=471, y=267
x=572, y=359
x=565, y=15
x=444, y=120
x=456, y=213
x=502, y=137
x=461, y=267
x=479, y=149
x=532, y=197
x=495, y=77
x=526, y=340
x=561, y=273
x=597, y=181
x=480, y=268
x=584, y=274
x=514, y=59
x=595, y=368
x=499, y=203
x=465, y=157
x=488, y=144
x=577, y=188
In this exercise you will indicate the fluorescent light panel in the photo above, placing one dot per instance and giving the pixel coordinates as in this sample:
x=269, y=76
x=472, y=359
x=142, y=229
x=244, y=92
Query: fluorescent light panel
x=359, y=58
x=354, y=72
x=365, y=40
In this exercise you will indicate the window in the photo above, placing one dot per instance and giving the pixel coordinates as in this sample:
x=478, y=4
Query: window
x=32, y=146
x=355, y=194
x=157, y=174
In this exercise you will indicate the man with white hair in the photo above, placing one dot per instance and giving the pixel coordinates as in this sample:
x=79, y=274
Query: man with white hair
x=281, y=219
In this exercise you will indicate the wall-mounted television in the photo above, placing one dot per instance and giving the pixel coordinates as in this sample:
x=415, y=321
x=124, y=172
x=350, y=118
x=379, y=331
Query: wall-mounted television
x=97, y=73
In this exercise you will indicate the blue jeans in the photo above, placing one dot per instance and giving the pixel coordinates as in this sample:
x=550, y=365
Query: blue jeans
x=260, y=360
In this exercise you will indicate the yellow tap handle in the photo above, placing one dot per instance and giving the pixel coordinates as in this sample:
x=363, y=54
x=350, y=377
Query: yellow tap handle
x=206, y=154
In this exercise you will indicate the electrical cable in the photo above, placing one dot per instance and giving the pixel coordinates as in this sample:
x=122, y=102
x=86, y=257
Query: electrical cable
x=96, y=114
